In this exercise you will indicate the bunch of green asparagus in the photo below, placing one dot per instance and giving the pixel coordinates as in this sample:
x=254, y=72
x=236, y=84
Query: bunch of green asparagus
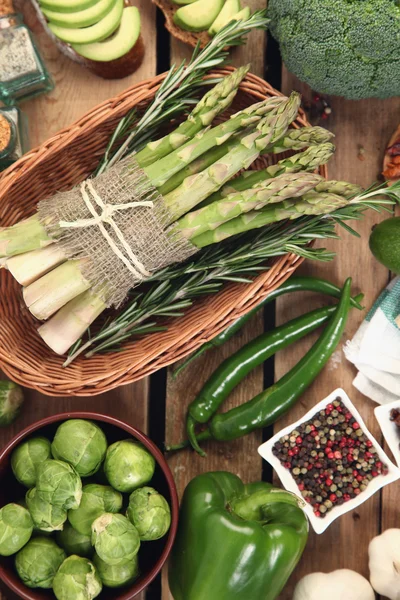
x=195, y=169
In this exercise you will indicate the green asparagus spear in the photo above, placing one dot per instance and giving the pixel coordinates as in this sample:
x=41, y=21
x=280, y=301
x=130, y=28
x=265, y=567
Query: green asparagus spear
x=312, y=203
x=270, y=192
x=341, y=188
x=196, y=188
x=163, y=169
x=308, y=160
x=32, y=235
x=24, y=236
x=212, y=104
x=201, y=163
x=297, y=139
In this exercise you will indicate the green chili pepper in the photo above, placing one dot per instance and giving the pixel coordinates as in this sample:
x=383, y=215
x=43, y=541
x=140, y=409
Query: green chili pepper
x=246, y=359
x=267, y=407
x=296, y=283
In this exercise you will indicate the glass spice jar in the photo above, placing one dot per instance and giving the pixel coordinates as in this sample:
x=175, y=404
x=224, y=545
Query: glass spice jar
x=13, y=135
x=22, y=72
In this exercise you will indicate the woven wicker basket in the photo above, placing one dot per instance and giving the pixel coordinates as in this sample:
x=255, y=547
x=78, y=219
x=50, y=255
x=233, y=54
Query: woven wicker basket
x=61, y=162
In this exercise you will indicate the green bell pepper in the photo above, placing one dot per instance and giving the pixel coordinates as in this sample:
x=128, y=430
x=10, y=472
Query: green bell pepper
x=235, y=541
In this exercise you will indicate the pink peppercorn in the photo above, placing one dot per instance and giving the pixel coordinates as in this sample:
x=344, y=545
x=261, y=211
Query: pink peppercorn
x=356, y=425
x=333, y=497
x=357, y=491
x=299, y=440
x=329, y=482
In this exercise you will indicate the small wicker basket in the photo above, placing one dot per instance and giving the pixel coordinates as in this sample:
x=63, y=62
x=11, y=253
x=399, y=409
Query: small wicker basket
x=63, y=161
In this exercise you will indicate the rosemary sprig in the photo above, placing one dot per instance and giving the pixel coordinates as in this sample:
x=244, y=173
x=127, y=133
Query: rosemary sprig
x=176, y=91
x=174, y=288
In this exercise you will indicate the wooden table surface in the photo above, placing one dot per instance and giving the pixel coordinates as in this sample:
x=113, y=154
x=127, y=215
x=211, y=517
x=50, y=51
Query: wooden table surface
x=362, y=130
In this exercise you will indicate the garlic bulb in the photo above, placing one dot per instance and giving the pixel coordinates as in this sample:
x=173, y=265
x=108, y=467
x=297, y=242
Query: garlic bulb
x=384, y=564
x=338, y=585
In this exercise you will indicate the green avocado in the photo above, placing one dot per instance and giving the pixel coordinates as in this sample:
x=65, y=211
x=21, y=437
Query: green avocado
x=183, y=1
x=66, y=6
x=242, y=15
x=119, y=44
x=95, y=33
x=199, y=15
x=230, y=9
x=81, y=18
x=384, y=242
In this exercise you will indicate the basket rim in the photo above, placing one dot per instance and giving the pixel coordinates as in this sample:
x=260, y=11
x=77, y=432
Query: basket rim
x=85, y=377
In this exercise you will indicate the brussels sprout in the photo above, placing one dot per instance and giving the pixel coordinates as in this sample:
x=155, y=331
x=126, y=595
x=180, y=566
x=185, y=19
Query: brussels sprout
x=77, y=579
x=117, y=575
x=115, y=539
x=149, y=512
x=11, y=399
x=96, y=500
x=27, y=457
x=38, y=562
x=16, y=528
x=58, y=483
x=128, y=465
x=45, y=516
x=74, y=542
x=80, y=443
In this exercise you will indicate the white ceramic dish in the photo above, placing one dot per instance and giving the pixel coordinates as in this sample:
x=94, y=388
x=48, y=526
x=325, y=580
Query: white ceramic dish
x=390, y=431
x=320, y=525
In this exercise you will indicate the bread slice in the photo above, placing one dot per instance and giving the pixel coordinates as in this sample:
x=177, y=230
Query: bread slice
x=187, y=37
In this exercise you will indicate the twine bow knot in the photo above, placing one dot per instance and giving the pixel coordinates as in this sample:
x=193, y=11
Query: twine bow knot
x=106, y=216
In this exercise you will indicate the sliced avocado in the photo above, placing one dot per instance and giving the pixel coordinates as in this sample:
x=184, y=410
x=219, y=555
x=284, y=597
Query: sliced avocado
x=66, y=6
x=82, y=18
x=183, y=1
x=95, y=33
x=242, y=15
x=230, y=9
x=199, y=15
x=119, y=44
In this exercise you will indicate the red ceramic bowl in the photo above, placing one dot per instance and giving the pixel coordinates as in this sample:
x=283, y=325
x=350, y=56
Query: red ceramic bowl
x=152, y=554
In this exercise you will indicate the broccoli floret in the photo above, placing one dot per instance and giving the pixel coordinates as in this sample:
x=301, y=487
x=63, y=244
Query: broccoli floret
x=346, y=48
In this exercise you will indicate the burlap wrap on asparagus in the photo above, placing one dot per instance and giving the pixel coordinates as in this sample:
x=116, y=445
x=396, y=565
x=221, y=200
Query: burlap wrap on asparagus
x=115, y=259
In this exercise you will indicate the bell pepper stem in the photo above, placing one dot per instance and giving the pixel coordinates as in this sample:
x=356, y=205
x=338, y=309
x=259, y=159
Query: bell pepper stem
x=200, y=437
x=255, y=506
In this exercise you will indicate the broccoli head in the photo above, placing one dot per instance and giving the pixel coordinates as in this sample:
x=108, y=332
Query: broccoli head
x=346, y=48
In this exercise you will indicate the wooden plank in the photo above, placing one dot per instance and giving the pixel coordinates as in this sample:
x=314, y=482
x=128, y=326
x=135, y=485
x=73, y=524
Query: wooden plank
x=362, y=125
x=240, y=456
x=76, y=92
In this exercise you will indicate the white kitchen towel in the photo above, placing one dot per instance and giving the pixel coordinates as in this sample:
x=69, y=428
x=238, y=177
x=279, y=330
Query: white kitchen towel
x=375, y=348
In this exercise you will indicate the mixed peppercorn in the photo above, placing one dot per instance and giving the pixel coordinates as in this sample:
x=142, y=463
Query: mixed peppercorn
x=395, y=417
x=330, y=458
